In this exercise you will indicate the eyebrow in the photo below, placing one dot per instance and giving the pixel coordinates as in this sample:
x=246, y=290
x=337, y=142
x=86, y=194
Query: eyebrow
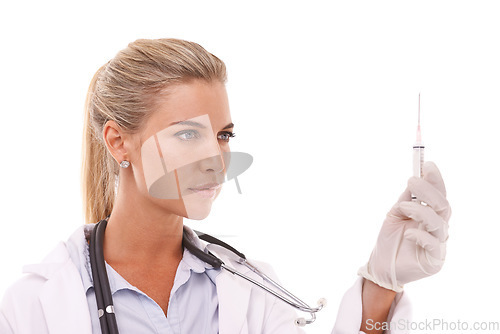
x=192, y=123
x=199, y=125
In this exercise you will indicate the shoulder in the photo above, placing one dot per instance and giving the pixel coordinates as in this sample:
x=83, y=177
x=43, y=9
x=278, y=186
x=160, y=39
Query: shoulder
x=20, y=308
x=22, y=296
x=21, y=301
x=35, y=275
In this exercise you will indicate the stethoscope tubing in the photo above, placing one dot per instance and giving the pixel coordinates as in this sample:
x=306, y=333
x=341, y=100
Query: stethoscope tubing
x=97, y=283
x=217, y=263
x=301, y=306
x=104, y=298
x=305, y=308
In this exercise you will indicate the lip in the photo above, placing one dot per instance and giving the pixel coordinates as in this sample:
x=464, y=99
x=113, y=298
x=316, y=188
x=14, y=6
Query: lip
x=206, y=186
x=207, y=190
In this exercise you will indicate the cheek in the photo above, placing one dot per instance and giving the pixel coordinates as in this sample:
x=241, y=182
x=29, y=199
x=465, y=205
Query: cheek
x=187, y=178
x=151, y=162
x=218, y=191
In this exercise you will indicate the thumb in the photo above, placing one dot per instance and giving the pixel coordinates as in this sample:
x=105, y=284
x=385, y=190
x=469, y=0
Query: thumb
x=433, y=176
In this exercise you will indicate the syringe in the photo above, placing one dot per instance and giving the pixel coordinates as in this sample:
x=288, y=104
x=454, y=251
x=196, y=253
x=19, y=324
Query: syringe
x=418, y=152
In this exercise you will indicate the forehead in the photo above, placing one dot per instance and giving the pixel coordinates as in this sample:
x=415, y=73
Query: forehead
x=190, y=100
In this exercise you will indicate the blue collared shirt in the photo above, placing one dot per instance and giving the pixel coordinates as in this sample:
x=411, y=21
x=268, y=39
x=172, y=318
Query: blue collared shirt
x=193, y=306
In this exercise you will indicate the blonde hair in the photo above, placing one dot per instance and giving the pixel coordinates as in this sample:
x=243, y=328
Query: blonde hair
x=125, y=90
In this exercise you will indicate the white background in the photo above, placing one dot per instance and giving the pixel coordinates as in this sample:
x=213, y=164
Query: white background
x=323, y=96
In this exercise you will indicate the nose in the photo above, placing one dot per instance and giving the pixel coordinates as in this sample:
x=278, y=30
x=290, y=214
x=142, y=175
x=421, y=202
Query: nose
x=215, y=163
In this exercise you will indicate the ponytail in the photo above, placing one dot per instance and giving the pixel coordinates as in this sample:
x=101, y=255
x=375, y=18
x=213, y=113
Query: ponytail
x=98, y=181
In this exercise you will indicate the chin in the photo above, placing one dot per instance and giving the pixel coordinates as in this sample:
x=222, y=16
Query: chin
x=197, y=214
x=196, y=209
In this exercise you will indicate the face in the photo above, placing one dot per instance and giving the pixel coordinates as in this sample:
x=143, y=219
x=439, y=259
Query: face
x=183, y=152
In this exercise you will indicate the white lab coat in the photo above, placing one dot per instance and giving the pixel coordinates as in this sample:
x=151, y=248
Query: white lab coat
x=50, y=298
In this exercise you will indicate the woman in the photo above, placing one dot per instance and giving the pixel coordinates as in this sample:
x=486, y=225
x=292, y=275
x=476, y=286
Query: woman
x=158, y=121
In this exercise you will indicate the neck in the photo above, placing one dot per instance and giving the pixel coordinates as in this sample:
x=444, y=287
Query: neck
x=140, y=232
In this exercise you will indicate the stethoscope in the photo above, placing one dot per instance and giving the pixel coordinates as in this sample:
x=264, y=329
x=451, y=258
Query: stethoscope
x=104, y=299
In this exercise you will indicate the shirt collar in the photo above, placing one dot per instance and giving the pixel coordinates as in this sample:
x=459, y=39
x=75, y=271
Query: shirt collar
x=79, y=252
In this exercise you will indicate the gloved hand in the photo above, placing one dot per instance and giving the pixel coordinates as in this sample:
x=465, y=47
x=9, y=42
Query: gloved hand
x=412, y=241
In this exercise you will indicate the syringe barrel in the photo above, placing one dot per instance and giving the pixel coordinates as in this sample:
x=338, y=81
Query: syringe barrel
x=418, y=159
x=418, y=163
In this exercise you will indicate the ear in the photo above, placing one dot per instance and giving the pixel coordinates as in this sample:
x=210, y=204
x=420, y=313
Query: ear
x=114, y=138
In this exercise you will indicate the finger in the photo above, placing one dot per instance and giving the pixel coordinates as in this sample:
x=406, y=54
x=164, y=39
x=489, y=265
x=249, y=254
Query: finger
x=429, y=194
x=427, y=241
x=433, y=176
x=432, y=222
x=405, y=196
x=395, y=210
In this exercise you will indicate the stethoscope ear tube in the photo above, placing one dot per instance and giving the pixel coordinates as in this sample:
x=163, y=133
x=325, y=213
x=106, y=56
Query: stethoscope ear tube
x=208, y=258
x=106, y=309
x=215, y=241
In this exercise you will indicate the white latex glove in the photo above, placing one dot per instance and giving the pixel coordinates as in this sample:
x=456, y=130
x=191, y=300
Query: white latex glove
x=412, y=241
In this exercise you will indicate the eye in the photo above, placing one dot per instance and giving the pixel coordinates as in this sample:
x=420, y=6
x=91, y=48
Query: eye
x=226, y=135
x=187, y=134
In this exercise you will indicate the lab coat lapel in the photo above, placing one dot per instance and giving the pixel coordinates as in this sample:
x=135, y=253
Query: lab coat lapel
x=234, y=297
x=233, y=293
x=63, y=299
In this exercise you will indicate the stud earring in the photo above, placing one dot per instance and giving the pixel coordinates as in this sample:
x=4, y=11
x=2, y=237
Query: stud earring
x=124, y=164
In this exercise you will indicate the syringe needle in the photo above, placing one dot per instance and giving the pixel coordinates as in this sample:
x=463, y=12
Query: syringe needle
x=419, y=134
x=419, y=110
